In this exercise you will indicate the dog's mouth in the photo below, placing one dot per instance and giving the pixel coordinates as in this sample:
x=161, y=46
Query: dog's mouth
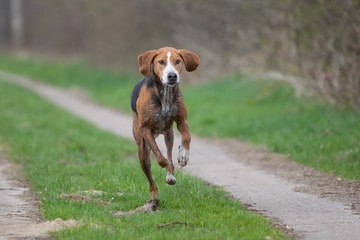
x=171, y=84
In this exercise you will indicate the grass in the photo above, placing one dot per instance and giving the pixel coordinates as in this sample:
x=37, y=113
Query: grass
x=62, y=154
x=262, y=112
x=267, y=113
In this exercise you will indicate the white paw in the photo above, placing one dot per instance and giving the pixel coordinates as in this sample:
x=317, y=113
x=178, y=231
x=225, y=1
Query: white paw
x=183, y=156
x=170, y=179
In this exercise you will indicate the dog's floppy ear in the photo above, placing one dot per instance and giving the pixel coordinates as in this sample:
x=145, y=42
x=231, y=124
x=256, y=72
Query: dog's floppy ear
x=190, y=58
x=145, y=61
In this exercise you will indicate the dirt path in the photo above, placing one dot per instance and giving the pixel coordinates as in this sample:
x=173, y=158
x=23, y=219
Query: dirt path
x=310, y=204
x=19, y=216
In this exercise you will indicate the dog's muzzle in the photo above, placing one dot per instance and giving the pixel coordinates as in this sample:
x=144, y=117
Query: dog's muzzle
x=172, y=79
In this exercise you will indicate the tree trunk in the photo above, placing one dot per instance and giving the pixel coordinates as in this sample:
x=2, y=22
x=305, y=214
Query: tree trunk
x=16, y=23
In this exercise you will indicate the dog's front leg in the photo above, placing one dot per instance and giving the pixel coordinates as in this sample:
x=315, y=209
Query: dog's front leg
x=150, y=140
x=169, y=141
x=184, y=148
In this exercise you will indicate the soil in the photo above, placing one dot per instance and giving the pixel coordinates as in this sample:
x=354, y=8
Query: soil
x=311, y=181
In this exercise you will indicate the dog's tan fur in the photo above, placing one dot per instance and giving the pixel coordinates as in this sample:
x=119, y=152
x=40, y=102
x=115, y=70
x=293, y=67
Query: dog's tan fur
x=156, y=105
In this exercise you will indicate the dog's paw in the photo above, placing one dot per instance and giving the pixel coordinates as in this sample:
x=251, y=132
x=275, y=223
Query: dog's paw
x=183, y=156
x=170, y=178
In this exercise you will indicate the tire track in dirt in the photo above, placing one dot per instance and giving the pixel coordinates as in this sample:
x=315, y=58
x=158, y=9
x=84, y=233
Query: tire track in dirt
x=306, y=202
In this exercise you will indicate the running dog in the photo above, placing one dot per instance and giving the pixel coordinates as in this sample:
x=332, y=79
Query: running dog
x=157, y=103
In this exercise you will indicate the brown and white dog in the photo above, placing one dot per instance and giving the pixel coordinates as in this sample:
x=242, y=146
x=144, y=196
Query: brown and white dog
x=157, y=103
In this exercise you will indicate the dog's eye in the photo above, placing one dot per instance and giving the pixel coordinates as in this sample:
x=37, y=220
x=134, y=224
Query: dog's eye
x=178, y=61
x=161, y=62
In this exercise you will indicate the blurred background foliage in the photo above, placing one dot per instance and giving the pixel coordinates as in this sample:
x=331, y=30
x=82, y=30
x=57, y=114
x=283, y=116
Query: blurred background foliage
x=318, y=41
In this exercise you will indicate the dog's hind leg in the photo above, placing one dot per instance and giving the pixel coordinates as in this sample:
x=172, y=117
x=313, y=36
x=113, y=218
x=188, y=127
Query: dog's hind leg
x=169, y=141
x=144, y=157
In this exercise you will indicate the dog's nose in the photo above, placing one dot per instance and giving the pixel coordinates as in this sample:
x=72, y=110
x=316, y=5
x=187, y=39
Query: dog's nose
x=172, y=78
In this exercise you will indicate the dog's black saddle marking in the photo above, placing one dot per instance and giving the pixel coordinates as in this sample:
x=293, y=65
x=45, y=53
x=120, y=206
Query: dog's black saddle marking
x=135, y=94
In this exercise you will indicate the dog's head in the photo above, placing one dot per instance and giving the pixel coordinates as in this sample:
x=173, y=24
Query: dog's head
x=166, y=64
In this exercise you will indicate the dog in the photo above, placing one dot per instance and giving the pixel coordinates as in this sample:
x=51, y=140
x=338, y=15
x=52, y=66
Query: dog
x=156, y=103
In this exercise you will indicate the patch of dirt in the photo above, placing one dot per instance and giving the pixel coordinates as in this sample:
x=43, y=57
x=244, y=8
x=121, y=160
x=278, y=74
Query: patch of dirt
x=36, y=230
x=19, y=214
x=89, y=196
x=321, y=184
x=150, y=206
x=84, y=199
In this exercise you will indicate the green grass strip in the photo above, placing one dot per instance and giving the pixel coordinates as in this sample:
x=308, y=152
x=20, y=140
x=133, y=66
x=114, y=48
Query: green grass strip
x=262, y=112
x=62, y=154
